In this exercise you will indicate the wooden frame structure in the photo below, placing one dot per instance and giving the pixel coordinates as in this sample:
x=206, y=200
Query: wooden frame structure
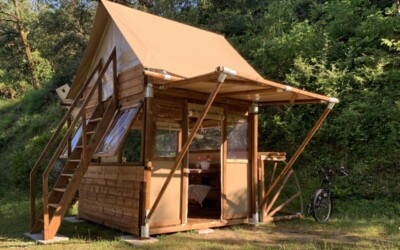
x=163, y=190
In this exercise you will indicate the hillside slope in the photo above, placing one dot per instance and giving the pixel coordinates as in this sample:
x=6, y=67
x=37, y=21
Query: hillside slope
x=26, y=125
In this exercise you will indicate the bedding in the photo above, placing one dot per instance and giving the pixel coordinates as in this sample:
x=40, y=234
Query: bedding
x=198, y=193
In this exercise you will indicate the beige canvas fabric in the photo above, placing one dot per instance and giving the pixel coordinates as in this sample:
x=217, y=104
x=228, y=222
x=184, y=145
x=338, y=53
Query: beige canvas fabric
x=161, y=44
x=175, y=47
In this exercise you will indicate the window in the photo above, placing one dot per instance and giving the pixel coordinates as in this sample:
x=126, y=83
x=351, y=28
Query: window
x=74, y=140
x=132, y=147
x=206, y=139
x=166, y=143
x=237, y=137
x=115, y=134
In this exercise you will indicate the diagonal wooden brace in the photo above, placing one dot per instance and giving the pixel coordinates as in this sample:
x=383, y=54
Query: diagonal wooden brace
x=189, y=140
x=296, y=154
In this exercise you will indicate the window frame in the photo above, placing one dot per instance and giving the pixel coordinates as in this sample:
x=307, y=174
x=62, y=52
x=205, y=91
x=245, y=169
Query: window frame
x=118, y=149
x=238, y=160
x=178, y=129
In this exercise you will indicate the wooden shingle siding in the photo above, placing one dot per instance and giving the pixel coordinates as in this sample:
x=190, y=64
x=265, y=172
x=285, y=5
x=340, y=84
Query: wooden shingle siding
x=110, y=195
x=131, y=86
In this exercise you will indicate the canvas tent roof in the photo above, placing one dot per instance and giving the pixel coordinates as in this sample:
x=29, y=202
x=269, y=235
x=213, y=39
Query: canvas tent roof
x=185, y=51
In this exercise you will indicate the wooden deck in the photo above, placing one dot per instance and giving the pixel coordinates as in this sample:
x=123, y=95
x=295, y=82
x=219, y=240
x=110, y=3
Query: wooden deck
x=194, y=221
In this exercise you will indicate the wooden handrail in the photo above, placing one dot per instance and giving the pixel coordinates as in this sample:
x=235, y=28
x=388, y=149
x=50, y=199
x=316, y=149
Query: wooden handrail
x=66, y=137
x=64, y=141
x=49, y=145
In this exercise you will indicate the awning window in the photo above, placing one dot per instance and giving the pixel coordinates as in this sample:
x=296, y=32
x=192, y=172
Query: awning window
x=116, y=133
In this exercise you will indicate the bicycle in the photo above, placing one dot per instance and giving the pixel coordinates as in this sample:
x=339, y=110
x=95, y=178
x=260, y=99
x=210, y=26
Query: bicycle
x=320, y=206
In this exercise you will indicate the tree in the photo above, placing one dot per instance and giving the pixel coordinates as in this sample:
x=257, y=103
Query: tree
x=15, y=21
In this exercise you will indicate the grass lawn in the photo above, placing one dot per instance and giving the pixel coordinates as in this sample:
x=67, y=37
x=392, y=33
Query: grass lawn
x=355, y=224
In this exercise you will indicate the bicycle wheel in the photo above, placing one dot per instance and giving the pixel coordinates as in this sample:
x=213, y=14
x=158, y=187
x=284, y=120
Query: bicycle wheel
x=322, y=205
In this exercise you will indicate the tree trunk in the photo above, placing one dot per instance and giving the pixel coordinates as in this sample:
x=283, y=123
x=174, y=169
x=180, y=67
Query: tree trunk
x=28, y=53
x=398, y=7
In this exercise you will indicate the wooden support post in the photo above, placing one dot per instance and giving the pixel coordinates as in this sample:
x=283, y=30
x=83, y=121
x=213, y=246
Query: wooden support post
x=297, y=153
x=261, y=185
x=46, y=215
x=148, y=132
x=115, y=80
x=224, y=133
x=185, y=147
x=185, y=165
x=85, y=157
x=253, y=116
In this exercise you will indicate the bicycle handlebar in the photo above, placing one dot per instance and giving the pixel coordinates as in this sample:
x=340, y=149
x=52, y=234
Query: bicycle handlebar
x=329, y=172
x=343, y=171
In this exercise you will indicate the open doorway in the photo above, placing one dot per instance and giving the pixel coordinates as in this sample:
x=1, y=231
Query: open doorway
x=204, y=184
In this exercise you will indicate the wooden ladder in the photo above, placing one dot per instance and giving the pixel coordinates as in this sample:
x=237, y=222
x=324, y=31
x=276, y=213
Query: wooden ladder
x=56, y=204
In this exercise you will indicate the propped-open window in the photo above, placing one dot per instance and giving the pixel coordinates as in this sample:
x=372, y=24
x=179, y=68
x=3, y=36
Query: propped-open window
x=116, y=133
x=131, y=152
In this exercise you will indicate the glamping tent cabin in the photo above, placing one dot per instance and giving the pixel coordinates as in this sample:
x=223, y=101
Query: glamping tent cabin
x=161, y=137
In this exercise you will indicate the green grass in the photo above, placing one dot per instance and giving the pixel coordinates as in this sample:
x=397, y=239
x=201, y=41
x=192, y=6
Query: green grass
x=25, y=127
x=358, y=224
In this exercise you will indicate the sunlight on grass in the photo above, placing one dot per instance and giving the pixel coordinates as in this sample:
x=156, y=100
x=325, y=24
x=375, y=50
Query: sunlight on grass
x=343, y=231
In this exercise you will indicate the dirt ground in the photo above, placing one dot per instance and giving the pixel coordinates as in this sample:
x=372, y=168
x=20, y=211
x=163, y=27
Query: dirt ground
x=297, y=236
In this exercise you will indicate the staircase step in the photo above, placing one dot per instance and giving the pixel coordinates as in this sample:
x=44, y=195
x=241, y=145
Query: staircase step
x=74, y=160
x=90, y=132
x=79, y=147
x=95, y=119
x=63, y=157
x=63, y=190
x=53, y=205
x=67, y=175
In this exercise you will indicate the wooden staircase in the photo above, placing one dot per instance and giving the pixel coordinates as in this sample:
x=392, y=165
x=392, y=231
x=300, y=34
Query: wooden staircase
x=56, y=202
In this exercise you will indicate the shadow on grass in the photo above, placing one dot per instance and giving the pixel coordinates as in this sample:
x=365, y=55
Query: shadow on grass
x=300, y=235
x=345, y=230
x=15, y=221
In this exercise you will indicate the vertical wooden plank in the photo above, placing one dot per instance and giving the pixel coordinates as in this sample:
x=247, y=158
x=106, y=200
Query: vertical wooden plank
x=148, y=135
x=119, y=153
x=148, y=130
x=261, y=187
x=185, y=165
x=250, y=165
x=253, y=154
x=46, y=216
x=99, y=88
x=143, y=134
x=84, y=142
x=224, y=132
x=115, y=79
